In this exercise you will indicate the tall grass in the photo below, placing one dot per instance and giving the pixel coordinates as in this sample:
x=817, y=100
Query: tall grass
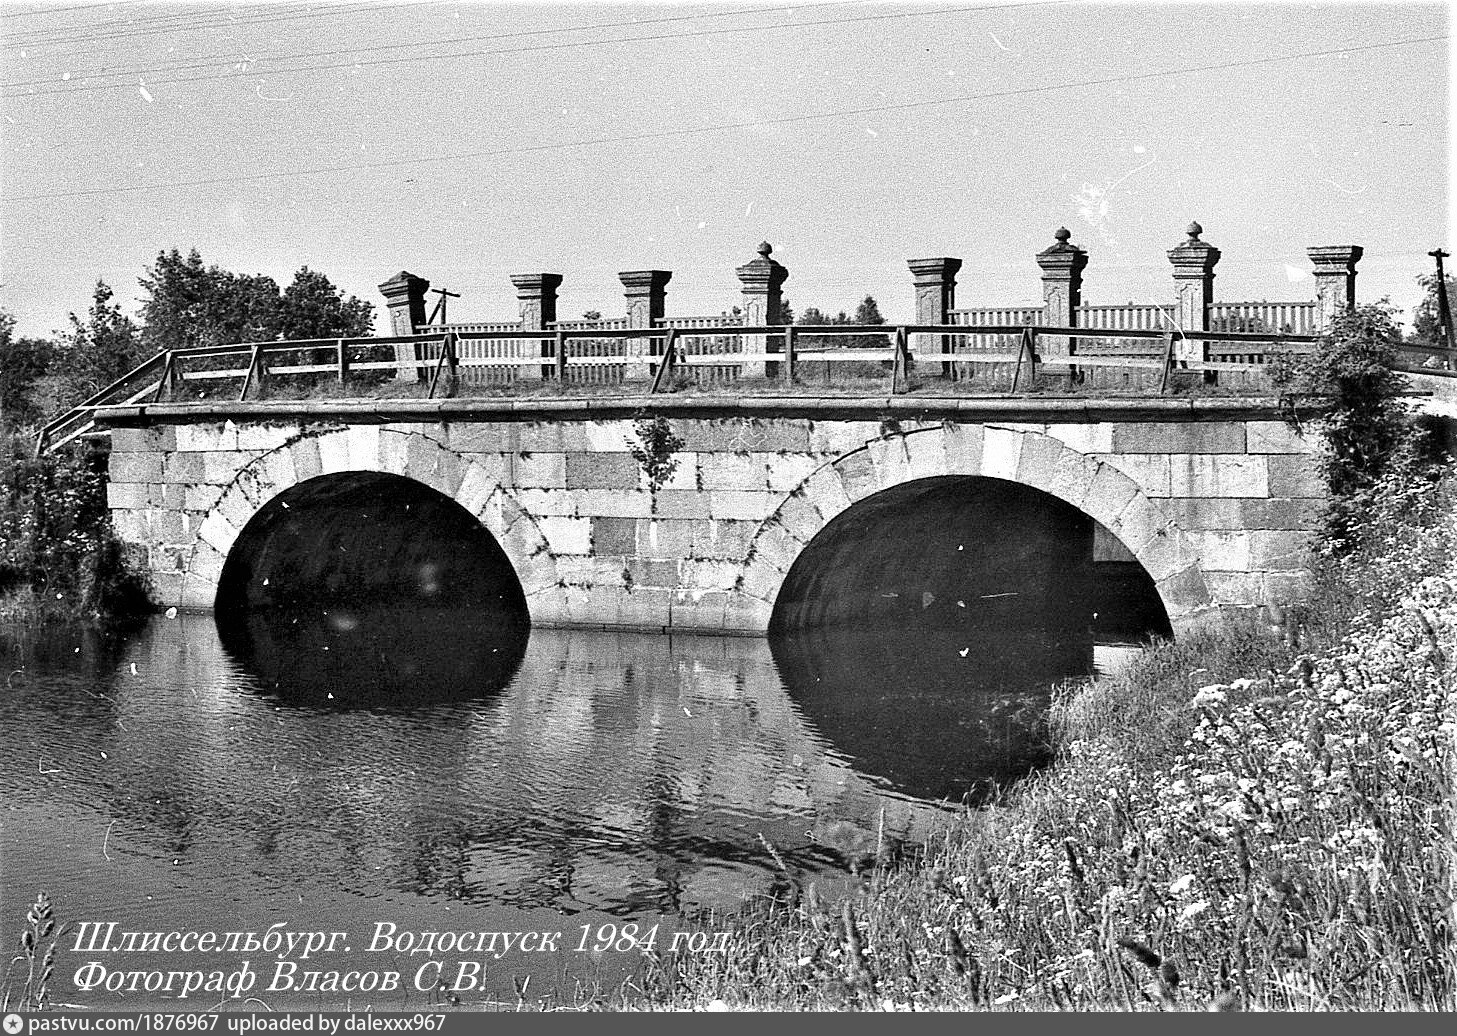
x=27, y=980
x=1235, y=822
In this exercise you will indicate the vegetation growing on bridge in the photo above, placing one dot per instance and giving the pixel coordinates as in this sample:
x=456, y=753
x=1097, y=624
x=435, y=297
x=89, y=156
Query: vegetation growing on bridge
x=656, y=448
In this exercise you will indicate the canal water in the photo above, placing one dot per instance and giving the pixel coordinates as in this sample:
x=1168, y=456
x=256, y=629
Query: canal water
x=339, y=769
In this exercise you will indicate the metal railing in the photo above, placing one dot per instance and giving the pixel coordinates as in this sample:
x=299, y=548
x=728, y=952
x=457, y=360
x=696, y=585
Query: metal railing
x=670, y=357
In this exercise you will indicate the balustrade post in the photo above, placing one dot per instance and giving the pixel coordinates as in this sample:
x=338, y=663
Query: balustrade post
x=646, y=293
x=1062, y=266
x=935, y=282
x=1335, y=280
x=1194, y=261
x=404, y=298
x=536, y=293
x=762, y=279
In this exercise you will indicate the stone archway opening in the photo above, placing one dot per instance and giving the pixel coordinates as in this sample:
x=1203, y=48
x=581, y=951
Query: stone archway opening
x=971, y=551
x=363, y=537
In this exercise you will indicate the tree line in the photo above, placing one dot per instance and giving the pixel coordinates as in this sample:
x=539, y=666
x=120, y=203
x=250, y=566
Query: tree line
x=186, y=303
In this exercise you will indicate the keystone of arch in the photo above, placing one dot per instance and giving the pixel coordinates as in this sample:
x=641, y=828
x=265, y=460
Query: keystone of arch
x=367, y=448
x=1043, y=462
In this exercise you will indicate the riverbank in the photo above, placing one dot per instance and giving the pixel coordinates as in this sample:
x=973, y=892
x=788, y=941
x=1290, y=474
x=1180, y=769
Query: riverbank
x=1234, y=823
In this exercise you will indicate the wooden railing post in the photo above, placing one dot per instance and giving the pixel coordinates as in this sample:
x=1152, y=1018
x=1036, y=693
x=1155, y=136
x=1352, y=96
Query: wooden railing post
x=900, y=367
x=167, y=384
x=667, y=362
x=789, y=357
x=559, y=359
x=452, y=366
x=256, y=369
x=1026, y=352
x=1168, y=364
x=342, y=354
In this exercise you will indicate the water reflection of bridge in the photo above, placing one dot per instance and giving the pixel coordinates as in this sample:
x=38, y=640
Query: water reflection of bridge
x=592, y=784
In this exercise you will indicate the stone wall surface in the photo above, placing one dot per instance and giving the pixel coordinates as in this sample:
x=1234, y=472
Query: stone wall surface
x=1217, y=511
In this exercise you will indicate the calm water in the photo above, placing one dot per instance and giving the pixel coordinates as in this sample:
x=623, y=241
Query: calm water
x=344, y=769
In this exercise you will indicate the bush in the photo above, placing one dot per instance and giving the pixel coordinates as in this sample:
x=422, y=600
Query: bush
x=1364, y=419
x=59, y=558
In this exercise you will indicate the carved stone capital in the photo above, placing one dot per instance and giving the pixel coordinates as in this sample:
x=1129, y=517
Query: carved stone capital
x=762, y=275
x=1062, y=260
x=536, y=285
x=1193, y=258
x=938, y=270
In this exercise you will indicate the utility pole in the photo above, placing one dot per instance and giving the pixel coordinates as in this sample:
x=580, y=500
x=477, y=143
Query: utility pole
x=439, y=309
x=1444, y=311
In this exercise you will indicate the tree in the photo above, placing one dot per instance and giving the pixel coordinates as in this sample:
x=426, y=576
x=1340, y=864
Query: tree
x=1426, y=320
x=22, y=362
x=868, y=312
x=311, y=307
x=94, y=354
x=189, y=304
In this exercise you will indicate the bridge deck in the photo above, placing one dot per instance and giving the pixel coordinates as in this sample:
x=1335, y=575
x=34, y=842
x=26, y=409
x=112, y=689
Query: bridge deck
x=591, y=408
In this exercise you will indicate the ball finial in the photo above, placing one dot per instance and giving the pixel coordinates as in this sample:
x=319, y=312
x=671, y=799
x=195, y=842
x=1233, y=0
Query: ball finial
x=1194, y=231
x=765, y=249
x=1062, y=235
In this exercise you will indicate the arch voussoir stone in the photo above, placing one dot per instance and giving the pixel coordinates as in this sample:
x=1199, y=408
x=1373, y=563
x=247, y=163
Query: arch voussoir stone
x=1031, y=458
x=406, y=453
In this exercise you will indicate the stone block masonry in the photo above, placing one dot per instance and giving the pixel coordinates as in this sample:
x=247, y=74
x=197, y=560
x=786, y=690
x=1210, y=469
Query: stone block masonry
x=1216, y=499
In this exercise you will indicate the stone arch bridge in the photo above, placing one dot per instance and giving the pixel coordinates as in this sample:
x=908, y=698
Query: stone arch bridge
x=1213, y=498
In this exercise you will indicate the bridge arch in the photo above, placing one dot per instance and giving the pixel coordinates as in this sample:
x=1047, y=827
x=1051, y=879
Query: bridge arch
x=1029, y=458
x=377, y=451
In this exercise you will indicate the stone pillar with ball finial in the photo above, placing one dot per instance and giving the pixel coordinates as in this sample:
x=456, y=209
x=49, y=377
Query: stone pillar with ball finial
x=762, y=279
x=1194, y=261
x=1062, y=293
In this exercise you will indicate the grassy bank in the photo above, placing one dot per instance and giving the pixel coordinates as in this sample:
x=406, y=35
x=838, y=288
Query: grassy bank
x=1235, y=822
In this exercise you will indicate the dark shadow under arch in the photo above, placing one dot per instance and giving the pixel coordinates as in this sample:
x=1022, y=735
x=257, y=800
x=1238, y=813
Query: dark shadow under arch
x=369, y=589
x=366, y=537
x=972, y=552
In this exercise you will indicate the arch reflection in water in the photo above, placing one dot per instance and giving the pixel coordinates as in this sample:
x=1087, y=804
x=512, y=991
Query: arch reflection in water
x=933, y=713
x=347, y=656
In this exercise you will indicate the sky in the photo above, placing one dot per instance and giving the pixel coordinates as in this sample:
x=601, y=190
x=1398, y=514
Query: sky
x=468, y=141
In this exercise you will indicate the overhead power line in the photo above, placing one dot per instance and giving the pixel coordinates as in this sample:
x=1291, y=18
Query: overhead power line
x=190, y=20
x=211, y=60
x=417, y=57
x=60, y=10
x=727, y=126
